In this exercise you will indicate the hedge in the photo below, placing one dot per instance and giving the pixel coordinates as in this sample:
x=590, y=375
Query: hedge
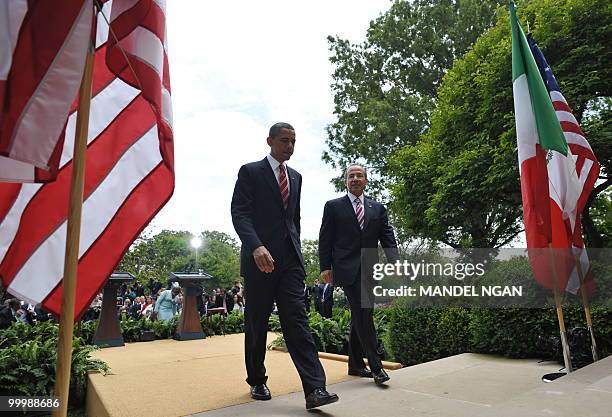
x=419, y=335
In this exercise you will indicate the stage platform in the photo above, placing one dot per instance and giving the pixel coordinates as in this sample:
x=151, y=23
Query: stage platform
x=205, y=378
x=168, y=378
x=466, y=385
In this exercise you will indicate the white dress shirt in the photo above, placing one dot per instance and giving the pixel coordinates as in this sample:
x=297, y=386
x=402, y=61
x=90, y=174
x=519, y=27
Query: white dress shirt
x=352, y=198
x=275, y=164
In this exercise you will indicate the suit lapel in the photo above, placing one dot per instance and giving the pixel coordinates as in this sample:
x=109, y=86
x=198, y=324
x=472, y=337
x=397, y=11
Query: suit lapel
x=293, y=188
x=348, y=205
x=367, y=211
x=270, y=178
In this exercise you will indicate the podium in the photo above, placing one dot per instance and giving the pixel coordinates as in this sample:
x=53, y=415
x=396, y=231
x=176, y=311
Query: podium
x=108, y=332
x=189, y=327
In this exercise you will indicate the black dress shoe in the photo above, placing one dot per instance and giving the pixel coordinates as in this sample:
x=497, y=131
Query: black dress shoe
x=260, y=392
x=320, y=397
x=361, y=372
x=380, y=377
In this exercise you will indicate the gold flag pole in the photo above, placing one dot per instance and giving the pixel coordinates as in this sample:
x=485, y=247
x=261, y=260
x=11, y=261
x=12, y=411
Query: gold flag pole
x=565, y=346
x=587, y=308
x=66, y=325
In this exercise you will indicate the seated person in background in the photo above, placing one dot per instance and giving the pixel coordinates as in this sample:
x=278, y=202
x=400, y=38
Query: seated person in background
x=9, y=313
x=146, y=308
x=134, y=311
x=124, y=310
x=238, y=304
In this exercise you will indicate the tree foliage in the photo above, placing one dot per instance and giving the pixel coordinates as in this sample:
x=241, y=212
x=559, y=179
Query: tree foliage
x=170, y=251
x=385, y=88
x=310, y=251
x=459, y=184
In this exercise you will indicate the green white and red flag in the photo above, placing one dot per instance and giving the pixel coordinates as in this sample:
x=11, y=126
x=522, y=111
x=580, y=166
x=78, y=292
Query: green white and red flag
x=552, y=187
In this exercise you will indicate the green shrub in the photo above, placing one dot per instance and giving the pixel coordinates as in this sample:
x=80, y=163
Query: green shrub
x=234, y=322
x=511, y=332
x=164, y=329
x=27, y=362
x=453, y=331
x=86, y=331
x=274, y=324
x=413, y=336
x=419, y=335
x=514, y=332
x=212, y=325
x=19, y=333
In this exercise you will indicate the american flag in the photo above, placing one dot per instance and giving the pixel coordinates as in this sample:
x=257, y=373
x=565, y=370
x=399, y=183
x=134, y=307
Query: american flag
x=42, y=56
x=129, y=172
x=569, y=193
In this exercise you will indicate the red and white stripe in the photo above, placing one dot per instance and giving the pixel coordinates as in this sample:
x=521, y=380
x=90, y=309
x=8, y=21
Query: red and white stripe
x=585, y=170
x=129, y=172
x=586, y=164
x=42, y=53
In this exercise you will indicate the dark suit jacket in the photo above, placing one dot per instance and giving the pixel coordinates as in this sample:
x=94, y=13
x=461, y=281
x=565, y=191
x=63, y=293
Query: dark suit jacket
x=259, y=216
x=341, y=240
x=316, y=295
x=327, y=294
x=6, y=317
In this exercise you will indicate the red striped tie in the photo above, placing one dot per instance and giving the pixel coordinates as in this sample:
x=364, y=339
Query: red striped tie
x=283, y=184
x=359, y=212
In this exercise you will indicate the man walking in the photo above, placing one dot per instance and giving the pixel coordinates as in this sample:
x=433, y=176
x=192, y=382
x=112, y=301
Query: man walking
x=266, y=215
x=351, y=229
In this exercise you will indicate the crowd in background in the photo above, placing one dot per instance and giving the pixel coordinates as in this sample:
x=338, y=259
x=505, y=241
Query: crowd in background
x=158, y=302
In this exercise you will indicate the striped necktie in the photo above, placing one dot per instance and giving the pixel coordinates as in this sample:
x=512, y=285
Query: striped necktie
x=283, y=184
x=359, y=212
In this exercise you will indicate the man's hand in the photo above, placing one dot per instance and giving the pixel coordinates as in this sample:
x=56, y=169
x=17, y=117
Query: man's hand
x=326, y=276
x=263, y=259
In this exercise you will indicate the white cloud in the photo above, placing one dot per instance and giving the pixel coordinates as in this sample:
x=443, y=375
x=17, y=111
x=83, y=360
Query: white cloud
x=236, y=68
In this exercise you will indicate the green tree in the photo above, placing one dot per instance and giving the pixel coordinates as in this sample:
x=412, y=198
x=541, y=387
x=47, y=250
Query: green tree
x=220, y=257
x=156, y=256
x=601, y=215
x=459, y=184
x=385, y=88
x=171, y=251
x=310, y=251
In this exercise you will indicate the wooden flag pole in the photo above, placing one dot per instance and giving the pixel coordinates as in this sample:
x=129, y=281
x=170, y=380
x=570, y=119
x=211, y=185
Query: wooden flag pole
x=66, y=325
x=565, y=346
x=587, y=308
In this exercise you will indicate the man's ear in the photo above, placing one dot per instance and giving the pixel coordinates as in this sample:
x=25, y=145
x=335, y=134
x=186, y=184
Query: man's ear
x=269, y=140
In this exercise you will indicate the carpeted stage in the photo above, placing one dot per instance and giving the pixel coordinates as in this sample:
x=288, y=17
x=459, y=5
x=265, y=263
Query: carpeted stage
x=167, y=378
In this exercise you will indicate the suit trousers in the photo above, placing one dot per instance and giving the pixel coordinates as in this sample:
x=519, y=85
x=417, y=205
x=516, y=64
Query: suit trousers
x=363, y=334
x=285, y=285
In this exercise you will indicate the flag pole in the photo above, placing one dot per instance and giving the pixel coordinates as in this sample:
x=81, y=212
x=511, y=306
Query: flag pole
x=587, y=308
x=565, y=346
x=66, y=325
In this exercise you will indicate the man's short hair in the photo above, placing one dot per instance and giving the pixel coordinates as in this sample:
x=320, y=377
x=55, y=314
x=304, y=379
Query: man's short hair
x=365, y=171
x=276, y=128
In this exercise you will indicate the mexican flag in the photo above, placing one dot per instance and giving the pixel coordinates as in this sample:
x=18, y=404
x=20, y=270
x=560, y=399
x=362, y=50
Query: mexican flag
x=550, y=185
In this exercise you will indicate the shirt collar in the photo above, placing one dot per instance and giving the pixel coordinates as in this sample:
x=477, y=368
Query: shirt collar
x=353, y=197
x=273, y=162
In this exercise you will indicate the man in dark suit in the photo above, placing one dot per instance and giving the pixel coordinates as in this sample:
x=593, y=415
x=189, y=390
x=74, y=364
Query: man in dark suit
x=351, y=229
x=307, y=294
x=327, y=300
x=8, y=313
x=266, y=216
x=316, y=295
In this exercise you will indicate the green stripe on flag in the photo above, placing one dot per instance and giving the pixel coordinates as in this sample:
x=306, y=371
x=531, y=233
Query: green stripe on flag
x=548, y=126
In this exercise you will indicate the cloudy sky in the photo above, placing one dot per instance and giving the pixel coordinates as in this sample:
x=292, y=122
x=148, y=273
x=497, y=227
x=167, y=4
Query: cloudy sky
x=236, y=68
